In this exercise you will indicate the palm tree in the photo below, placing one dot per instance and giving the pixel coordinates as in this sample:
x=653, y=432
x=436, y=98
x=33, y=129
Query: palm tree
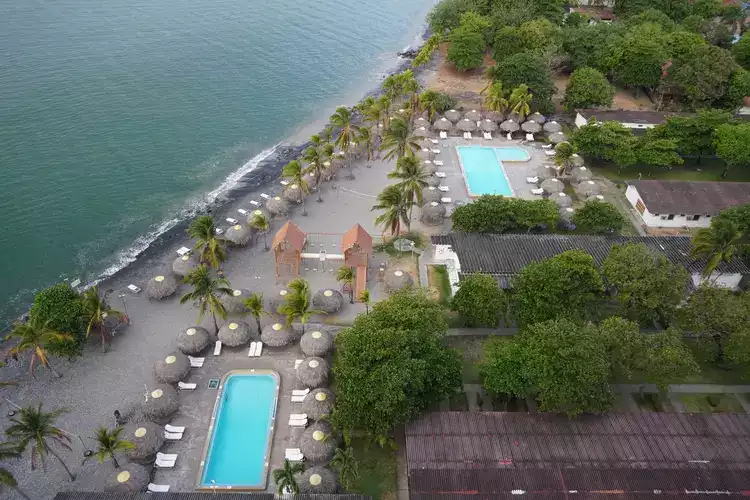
x=286, y=482
x=10, y=450
x=345, y=275
x=315, y=160
x=563, y=157
x=254, y=306
x=327, y=154
x=346, y=463
x=384, y=103
x=410, y=89
x=364, y=297
x=413, y=179
x=36, y=336
x=429, y=101
x=206, y=293
x=211, y=249
x=342, y=118
x=294, y=172
x=520, y=101
x=37, y=427
x=719, y=243
x=393, y=200
x=297, y=304
x=398, y=141
x=494, y=97
x=366, y=139
x=109, y=443
x=374, y=113
x=261, y=224
x=96, y=311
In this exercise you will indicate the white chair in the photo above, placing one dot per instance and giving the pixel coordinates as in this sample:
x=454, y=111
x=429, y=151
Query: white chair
x=549, y=152
x=187, y=387
x=182, y=251
x=219, y=230
x=434, y=141
x=297, y=422
x=178, y=429
x=242, y=211
x=443, y=135
x=443, y=189
x=300, y=392
x=196, y=362
x=509, y=137
x=158, y=488
x=297, y=399
x=298, y=416
x=537, y=191
x=440, y=175
x=251, y=351
x=530, y=137
x=163, y=464
x=532, y=180
x=231, y=220
x=285, y=183
x=435, y=151
x=172, y=436
x=297, y=362
x=134, y=289
x=439, y=163
x=294, y=457
x=488, y=136
x=254, y=203
x=446, y=200
x=258, y=349
x=217, y=348
x=167, y=457
x=265, y=196
x=468, y=135
x=546, y=146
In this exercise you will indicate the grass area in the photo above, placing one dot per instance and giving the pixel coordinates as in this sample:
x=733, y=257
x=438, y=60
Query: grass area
x=377, y=470
x=420, y=240
x=711, y=403
x=471, y=353
x=709, y=169
x=437, y=278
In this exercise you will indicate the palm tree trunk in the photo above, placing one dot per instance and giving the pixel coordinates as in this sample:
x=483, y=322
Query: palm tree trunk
x=72, y=477
x=265, y=240
x=104, y=341
x=317, y=184
x=114, y=461
x=216, y=325
x=53, y=370
x=349, y=159
x=304, y=208
x=257, y=322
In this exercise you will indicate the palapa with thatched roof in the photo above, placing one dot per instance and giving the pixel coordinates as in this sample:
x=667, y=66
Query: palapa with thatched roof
x=581, y=174
x=488, y=125
x=161, y=286
x=316, y=343
x=193, y=340
x=186, y=264
x=510, y=126
x=494, y=116
x=319, y=403
x=473, y=115
x=557, y=138
x=429, y=166
x=161, y=403
x=531, y=127
x=552, y=186
x=311, y=180
x=466, y=125
x=277, y=298
x=596, y=197
x=277, y=335
x=328, y=300
x=424, y=154
x=147, y=439
x=587, y=188
x=293, y=193
x=318, y=443
x=318, y=480
x=432, y=181
x=537, y=117
x=542, y=171
x=239, y=234
x=433, y=213
x=577, y=160
x=452, y=115
x=129, y=478
x=255, y=213
x=562, y=200
x=423, y=132
x=172, y=368
x=430, y=194
x=397, y=279
x=443, y=125
x=235, y=303
x=552, y=127
x=566, y=213
x=277, y=207
x=313, y=372
x=421, y=122
x=235, y=334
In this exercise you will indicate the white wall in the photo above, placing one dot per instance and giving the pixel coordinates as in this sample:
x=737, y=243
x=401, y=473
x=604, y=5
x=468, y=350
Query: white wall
x=651, y=220
x=445, y=255
x=731, y=281
x=580, y=121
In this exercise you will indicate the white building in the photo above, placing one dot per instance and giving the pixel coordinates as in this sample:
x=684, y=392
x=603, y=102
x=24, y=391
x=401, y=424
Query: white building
x=635, y=120
x=684, y=204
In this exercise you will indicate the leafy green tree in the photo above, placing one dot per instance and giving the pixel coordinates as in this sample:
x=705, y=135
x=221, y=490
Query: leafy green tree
x=693, y=134
x=609, y=141
x=398, y=140
x=297, y=305
x=717, y=243
x=497, y=214
x=425, y=53
x=520, y=101
x=658, y=152
x=38, y=338
x=262, y=225
x=595, y=46
x=61, y=309
x=739, y=88
x=466, y=49
x=703, y=76
x=535, y=214
x=286, y=480
x=413, y=179
x=34, y=427
x=206, y=294
x=345, y=275
x=7, y=480
x=598, y=217
x=741, y=51
x=567, y=285
x=108, y=444
x=254, y=306
x=740, y=216
x=210, y=247
x=588, y=88
x=480, y=301
x=553, y=10
x=494, y=98
x=345, y=462
x=508, y=41
x=682, y=43
x=647, y=287
x=530, y=69
x=564, y=156
x=393, y=200
x=731, y=143
x=316, y=167
x=435, y=102
x=641, y=58
x=652, y=16
x=446, y=14
x=96, y=311
x=364, y=297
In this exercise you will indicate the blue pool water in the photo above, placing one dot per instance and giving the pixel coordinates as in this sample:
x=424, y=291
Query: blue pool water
x=242, y=430
x=484, y=170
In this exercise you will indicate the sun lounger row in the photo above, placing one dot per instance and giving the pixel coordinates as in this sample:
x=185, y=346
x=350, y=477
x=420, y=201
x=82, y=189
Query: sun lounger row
x=300, y=392
x=174, y=428
x=172, y=436
x=196, y=362
x=537, y=191
x=255, y=349
x=532, y=180
x=440, y=175
x=166, y=461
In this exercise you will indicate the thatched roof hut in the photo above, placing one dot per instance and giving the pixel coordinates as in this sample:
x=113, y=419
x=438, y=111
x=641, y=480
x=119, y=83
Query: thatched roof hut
x=421, y=122
x=318, y=442
x=312, y=183
x=293, y=193
x=466, y=125
x=235, y=334
x=276, y=299
x=557, y=138
x=239, y=234
x=235, y=303
x=542, y=171
x=510, y=126
x=186, y=264
x=452, y=115
x=318, y=480
x=494, y=116
x=552, y=186
x=473, y=115
x=423, y=132
x=193, y=340
x=566, y=213
x=313, y=372
x=552, y=127
x=277, y=207
x=316, y=343
x=172, y=368
x=577, y=160
x=562, y=200
x=161, y=286
x=587, y=188
x=327, y=300
x=433, y=213
x=396, y=279
x=442, y=125
x=433, y=181
x=531, y=127
x=162, y=402
x=147, y=439
x=424, y=154
x=538, y=117
x=431, y=193
x=277, y=335
x=129, y=478
x=319, y=403
x=488, y=125
x=257, y=211
x=581, y=174
x=429, y=166
x=596, y=197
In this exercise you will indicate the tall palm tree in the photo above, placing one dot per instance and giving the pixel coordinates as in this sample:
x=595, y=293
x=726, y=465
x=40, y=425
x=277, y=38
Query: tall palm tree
x=210, y=248
x=398, y=141
x=347, y=137
x=396, y=206
x=35, y=427
x=345, y=275
x=109, y=444
x=285, y=479
x=206, y=293
x=367, y=141
x=261, y=224
x=384, y=103
x=297, y=304
x=719, y=243
x=315, y=167
x=409, y=88
x=429, y=101
x=520, y=101
x=254, y=306
x=364, y=297
x=36, y=336
x=563, y=157
x=295, y=173
x=374, y=113
x=10, y=450
x=96, y=310
x=327, y=156
x=494, y=97
x=346, y=463
x=413, y=179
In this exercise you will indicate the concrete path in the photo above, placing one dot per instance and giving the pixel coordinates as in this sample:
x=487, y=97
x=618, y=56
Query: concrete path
x=402, y=472
x=684, y=388
x=482, y=332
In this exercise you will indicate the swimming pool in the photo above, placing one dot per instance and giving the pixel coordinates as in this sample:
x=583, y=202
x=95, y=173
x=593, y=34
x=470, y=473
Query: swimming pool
x=483, y=168
x=239, y=438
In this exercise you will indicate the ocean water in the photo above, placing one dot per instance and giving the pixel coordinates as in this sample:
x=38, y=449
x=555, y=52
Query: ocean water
x=117, y=118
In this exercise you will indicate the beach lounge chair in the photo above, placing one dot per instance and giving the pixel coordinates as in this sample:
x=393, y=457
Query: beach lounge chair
x=297, y=362
x=435, y=151
x=265, y=196
x=546, y=146
x=468, y=135
x=549, y=152
x=298, y=416
x=300, y=392
x=443, y=135
x=231, y=220
x=254, y=203
x=297, y=399
x=217, y=348
x=196, y=362
x=179, y=429
x=446, y=200
x=158, y=488
x=440, y=175
x=258, y=349
x=537, y=191
x=182, y=251
x=187, y=387
x=439, y=163
x=530, y=137
x=134, y=289
x=488, y=136
x=443, y=189
x=509, y=137
x=219, y=230
x=164, y=464
x=167, y=457
x=172, y=436
x=532, y=180
x=284, y=183
x=242, y=211
x=251, y=351
x=434, y=141
x=297, y=422
x=294, y=456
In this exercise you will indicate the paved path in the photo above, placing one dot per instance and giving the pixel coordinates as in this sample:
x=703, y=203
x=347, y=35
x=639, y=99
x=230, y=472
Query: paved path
x=482, y=332
x=402, y=473
x=684, y=388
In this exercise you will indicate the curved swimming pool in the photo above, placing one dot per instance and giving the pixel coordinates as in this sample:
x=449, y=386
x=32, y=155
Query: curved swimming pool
x=238, y=447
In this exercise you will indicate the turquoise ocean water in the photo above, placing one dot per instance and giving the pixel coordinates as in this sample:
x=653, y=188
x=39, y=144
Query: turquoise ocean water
x=118, y=117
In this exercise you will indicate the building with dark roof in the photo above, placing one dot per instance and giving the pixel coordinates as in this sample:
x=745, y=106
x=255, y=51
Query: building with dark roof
x=504, y=255
x=684, y=203
x=634, y=120
x=493, y=455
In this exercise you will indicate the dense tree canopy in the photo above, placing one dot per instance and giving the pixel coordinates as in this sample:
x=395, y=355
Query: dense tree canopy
x=593, y=46
x=480, y=301
x=702, y=76
x=529, y=69
x=741, y=51
x=446, y=15
x=466, y=49
x=61, y=309
x=694, y=135
x=642, y=55
x=588, y=88
x=498, y=214
x=732, y=143
x=609, y=141
x=598, y=217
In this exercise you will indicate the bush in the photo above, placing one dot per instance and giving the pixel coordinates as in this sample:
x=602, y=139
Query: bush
x=62, y=308
x=497, y=214
x=480, y=301
x=588, y=88
x=531, y=69
x=599, y=217
x=466, y=49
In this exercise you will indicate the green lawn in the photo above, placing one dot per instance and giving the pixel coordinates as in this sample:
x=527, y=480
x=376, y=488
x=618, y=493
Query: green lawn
x=377, y=470
x=707, y=170
x=471, y=352
x=437, y=277
x=711, y=403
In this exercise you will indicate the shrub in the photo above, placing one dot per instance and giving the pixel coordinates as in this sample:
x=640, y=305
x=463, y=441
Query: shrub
x=480, y=301
x=62, y=307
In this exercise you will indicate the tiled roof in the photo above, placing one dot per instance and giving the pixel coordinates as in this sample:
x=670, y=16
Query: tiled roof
x=694, y=198
x=357, y=235
x=292, y=234
x=507, y=254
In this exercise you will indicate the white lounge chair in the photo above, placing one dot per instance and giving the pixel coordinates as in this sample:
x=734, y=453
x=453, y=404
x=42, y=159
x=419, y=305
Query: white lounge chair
x=300, y=392
x=182, y=251
x=537, y=191
x=158, y=488
x=294, y=457
x=446, y=200
x=258, y=349
x=444, y=189
x=284, y=183
x=297, y=422
x=254, y=203
x=179, y=429
x=468, y=135
x=443, y=135
x=265, y=196
x=251, y=351
x=172, y=436
x=434, y=141
x=292, y=450
x=231, y=220
x=439, y=163
x=242, y=211
x=530, y=137
x=546, y=146
x=532, y=180
x=219, y=230
x=167, y=457
x=509, y=137
x=297, y=362
x=440, y=175
x=196, y=362
x=298, y=399
x=134, y=289
x=162, y=464
x=488, y=136
x=549, y=152
x=297, y=416
x=187, y=386
x=217, y=348
x=435, y=151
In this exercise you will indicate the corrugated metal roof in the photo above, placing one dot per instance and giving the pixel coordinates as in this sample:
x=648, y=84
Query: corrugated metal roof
x=691, y=197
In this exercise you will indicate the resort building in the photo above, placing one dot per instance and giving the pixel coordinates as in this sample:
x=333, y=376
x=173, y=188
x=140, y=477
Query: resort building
x=684, y=204
x=615, y=455
x=635, y=120
x=504, y=255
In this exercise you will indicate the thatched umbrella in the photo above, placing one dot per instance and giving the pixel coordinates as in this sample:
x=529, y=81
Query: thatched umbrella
x=566, y=214
x=327, y=300
x=433, y=213
x=147, y=439
x=531, y=127
x=193, y=340
x=239, y=234
x=276, y=299
x=182, y=266
x=552, y=186
x=319, y=403
x=562, y=200
x=473, y=115
x=423, y=132
x=442, y=125
x=235, y=303
x=161, y=403
x=552, y=127
x=587, y=188
x=162, y=286
x=313, y=372
x=452, y=115
x=235, y=334
x=277, y=335
x=430, y=194
x=172, y=368
x=317, y=443
x=257, y=211
x=509, y=126
x=277, y=207
x=318, y=480
x=316, y=343
x=557, y=138
x=466, y=125
x=310, y=179
x=542, y=171
x=494, y=116
x=293, y=193
x=129, y=478
x=429, y=166
x=537, y=117
x=514, y=117
x=581, y=174
x=397, y=279
x=432, y=181
x=488, y=125
x=596, y=197
x=577, y=160
x=424, y=154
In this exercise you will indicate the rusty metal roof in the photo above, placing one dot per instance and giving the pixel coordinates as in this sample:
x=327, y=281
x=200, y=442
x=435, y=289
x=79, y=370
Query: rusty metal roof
x=357, y=235
x=292, y=234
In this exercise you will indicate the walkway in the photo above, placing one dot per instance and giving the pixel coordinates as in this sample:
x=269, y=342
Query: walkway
x=684, y=388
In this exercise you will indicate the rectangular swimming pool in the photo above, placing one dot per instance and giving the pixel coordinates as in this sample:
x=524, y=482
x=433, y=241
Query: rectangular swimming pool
x=239, y=439
x=483, y=168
